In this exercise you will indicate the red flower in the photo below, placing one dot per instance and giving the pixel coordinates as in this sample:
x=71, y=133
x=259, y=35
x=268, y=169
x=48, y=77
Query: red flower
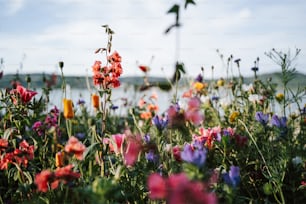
x=3, y=144
x=66, y=174
x=75, y=147
x=157, y=187
x=115, y=57
x=144, y=68
x=42, y=180
x=25, y=94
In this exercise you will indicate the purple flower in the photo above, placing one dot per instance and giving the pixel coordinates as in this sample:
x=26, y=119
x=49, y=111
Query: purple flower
x=38, y=127
x=193, y=156
x=233, y=176
x=80, y=135
x=160, y=122
x=262, y=118
x=279, y=122
x=147, y=138
x=113, y=107
x=199, y=78
x=151, y=156
x=215, y=98
x=81, y=102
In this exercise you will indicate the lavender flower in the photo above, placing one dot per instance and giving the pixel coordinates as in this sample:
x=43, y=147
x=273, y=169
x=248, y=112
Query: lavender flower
x=279, y=122
x=193, y=156
x=262, y=118
x=233, y=176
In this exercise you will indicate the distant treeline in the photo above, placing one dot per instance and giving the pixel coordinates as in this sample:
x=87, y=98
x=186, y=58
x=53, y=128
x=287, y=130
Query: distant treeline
x=42, y=80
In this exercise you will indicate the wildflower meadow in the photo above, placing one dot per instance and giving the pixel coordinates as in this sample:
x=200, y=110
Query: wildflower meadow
x=221, y=141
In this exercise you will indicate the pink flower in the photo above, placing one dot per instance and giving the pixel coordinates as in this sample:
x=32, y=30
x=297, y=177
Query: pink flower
x=118, y=139
x=193, y=113
x=132, y=150
x=177, y=153
x=178, y=189
x=25, y=94
x=76, y=147
x=157, y=186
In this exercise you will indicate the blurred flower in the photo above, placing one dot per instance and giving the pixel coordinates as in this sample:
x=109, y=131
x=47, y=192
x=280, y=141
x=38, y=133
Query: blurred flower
x=75, y=147
x=144, y=68
x=240, y=140
x=95, y=99
x=160, y=122
x=233, y=176
x=297, y=160
x=152, y=156
x=220, y=82
x=198, y=86
x=38, y=128
x=194, y=156
x=255, y=98
x=115, y=57
x=279, y=122
x=68, y=108
x=3, y=144
x=187, y=94
x=118, y=140
x=152, y=107
x=81, y=102
x=176, y=150
x=279, y=97
x=233, y=116
x=193, y=113
x=262, y=118
x=178, y=189
x=199, y=78
x=146, y=115
x=132, y=150
x=42, y=179
x=80, y=135
x=157, y=187
x=59, y=159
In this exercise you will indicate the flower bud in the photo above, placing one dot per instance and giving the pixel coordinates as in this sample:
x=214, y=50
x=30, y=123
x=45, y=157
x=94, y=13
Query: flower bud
x=68, y=109
x=95, y=101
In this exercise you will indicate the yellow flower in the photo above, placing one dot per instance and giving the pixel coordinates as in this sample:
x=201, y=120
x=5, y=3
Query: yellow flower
x=233, y=116
x=95, y=99
x=279, y=97
x=68, y=109
x=198, y=86
x=220, y=82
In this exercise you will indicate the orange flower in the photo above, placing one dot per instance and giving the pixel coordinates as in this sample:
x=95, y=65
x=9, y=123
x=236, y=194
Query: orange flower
x=68, y=109
x=146, y=115
x=187, y=94
x=59, y=159
x=152, y=108
x=76, y=147
x=95, y=101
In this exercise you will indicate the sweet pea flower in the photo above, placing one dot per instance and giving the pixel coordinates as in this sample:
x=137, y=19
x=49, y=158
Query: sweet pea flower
x=233, y=176
x=280, y=122
x=193, y=156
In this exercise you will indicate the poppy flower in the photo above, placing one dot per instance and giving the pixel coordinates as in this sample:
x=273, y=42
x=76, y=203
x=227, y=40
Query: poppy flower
x=132, y=150
x=42, y=180
x=75, y=147
x=68, y=109
x=157, y=187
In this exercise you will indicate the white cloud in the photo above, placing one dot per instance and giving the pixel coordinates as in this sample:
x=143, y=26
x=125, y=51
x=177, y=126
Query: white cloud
x=14, y=6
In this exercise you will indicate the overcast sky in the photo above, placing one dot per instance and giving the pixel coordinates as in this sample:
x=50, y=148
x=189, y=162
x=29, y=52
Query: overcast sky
x=38, y=35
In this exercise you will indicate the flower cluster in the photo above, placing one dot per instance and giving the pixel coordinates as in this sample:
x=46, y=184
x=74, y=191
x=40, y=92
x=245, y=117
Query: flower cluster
x=19, y=156
x=179, y=189
x=107, y=76
x=48, y=179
